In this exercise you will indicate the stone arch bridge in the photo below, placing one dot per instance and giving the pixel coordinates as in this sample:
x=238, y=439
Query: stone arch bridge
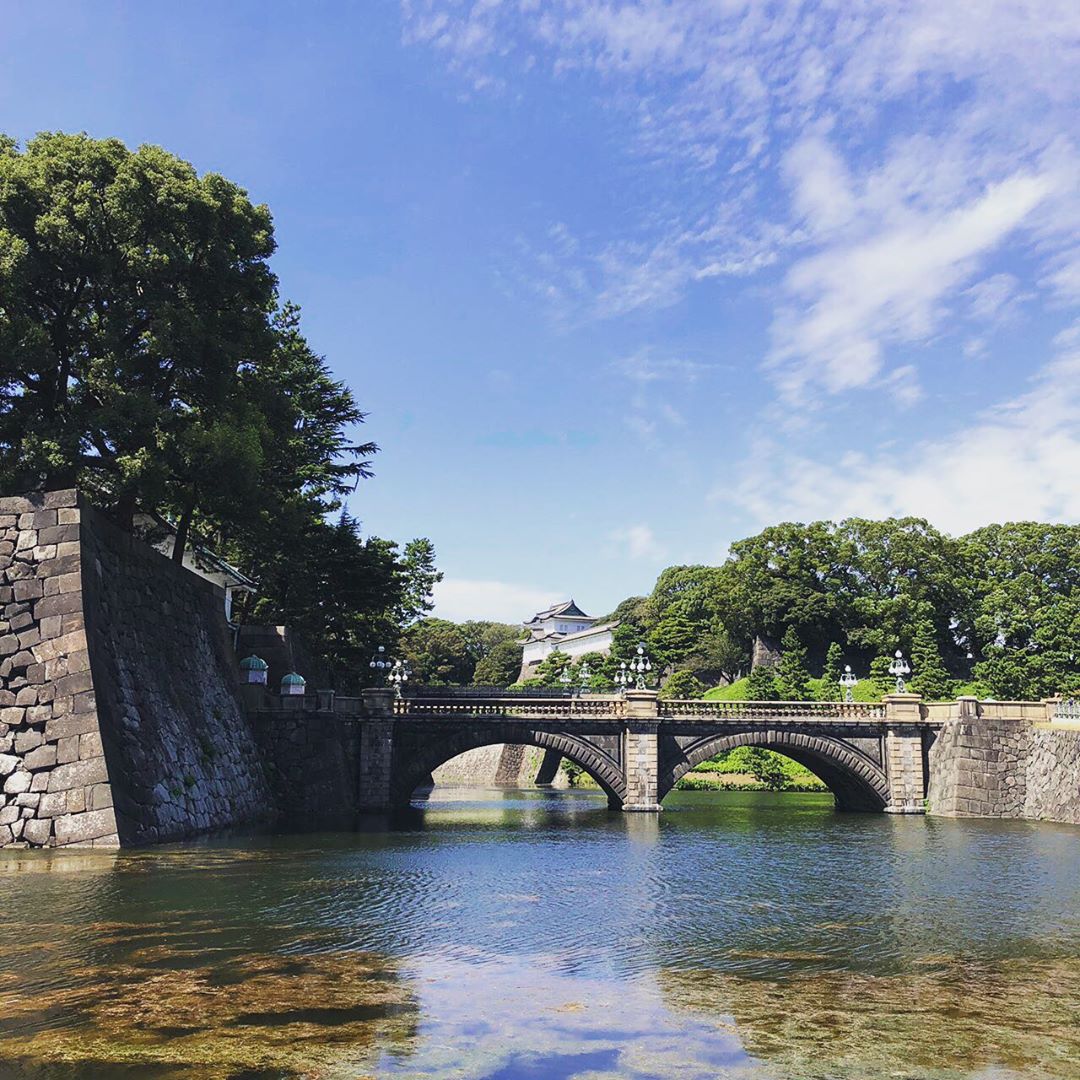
x=636, y=747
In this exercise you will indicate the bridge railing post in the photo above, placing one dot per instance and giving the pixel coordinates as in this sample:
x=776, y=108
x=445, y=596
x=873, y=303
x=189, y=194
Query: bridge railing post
x=641, y=751
x=904, y=754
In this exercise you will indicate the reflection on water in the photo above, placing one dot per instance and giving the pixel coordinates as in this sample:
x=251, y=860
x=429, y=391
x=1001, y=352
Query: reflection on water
x=516, y=935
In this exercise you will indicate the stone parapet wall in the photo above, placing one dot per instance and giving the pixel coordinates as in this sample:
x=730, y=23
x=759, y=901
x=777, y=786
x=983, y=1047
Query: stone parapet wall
x=120, y=720
x=992, y=767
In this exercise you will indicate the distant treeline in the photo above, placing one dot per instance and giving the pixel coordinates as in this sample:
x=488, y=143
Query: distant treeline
x=995, y=612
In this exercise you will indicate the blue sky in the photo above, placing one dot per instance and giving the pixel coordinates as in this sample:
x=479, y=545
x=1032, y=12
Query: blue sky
x=619, y=283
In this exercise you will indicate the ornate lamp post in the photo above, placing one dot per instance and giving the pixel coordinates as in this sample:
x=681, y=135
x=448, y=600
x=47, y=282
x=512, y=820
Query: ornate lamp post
x=399, y=674
x=380, y=664
x=639, y=665
x=899, y=668
x=585, y=674
x=848, y=681
x=564, y=678
x=623, y=678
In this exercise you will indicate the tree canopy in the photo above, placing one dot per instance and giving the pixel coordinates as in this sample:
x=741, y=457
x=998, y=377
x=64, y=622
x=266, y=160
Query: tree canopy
x=146, y=357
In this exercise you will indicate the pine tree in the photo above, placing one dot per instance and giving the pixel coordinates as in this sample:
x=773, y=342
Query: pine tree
x=794, y=678
x=931, y=679
x=880, y=678
x=761, y=685
x=830, y=677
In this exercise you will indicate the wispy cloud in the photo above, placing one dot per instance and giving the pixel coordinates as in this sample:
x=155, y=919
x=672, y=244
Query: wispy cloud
x=880, y=155
x=1018, y=461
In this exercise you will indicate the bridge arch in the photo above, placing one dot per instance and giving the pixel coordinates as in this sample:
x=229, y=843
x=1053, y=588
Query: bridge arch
x=855, y=781
x=411, y=773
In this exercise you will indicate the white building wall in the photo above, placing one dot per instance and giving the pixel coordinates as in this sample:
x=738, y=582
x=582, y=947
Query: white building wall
x=536, y=651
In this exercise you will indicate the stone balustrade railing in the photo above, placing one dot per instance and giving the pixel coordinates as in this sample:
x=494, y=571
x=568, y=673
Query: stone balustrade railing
x=591, y=707
x=770, y=710
x=564, y=707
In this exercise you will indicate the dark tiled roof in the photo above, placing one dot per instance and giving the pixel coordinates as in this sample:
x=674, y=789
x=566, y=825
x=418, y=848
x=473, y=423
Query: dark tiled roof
x=567, y=608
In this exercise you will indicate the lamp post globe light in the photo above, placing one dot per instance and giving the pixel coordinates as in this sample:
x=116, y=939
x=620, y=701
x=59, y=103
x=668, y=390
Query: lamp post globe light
x=899, y=668
x=623, y=678
x=848, y=681
x=585, y=674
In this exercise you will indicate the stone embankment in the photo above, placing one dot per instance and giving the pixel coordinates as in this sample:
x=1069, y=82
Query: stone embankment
x=991, y=767
x=120, y=716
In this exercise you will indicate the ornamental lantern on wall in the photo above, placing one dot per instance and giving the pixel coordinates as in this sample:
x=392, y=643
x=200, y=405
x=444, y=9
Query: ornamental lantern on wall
x=293, y=684
x=254, y=669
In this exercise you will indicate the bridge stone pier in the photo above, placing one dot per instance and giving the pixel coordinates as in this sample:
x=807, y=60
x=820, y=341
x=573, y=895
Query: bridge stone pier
x=637, y=747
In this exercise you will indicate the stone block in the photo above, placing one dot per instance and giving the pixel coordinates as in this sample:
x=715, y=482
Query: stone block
x=28, y=695
x=101, y=797
x=37, y=831
x=74, y=828
x=62, y=497
x=29, y=589
x=67, y=516
x=44, y=552
x=44, y=757
x=13, y=716
x=17, y=783
x=90, y=745
x=74, y=684
x=78, y=661
x=43, y=519
x=64, y=727
x=8, y=814
x=8, y=762
x=28, y=740
x=59, y=604
x=60, y=646
x=70, y=583
x=67, y=749
x=58, y=534
x=9, y=644
x=17, y=504
x=38, y=714
x=78, y=774
x=41, y=781
x=52, y=805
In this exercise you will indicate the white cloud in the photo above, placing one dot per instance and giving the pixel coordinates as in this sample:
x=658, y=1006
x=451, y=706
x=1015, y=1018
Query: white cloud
x=637, y=542
x=1018, y=461
x=892, y=149
x=459, y=599
x=890, y=284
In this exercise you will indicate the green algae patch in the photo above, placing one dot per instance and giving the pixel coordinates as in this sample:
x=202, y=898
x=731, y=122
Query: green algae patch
x=1010, y=1019
x=295, y=1016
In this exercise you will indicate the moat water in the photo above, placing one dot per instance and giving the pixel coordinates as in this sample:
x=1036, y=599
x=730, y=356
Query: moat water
x=523, y=935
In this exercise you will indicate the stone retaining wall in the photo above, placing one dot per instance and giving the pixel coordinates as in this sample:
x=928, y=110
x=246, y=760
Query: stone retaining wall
x=120, y=720
x=1005, y=769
